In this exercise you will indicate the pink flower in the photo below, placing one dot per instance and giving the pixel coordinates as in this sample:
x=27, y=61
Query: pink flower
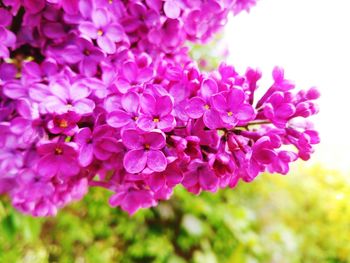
x=69, y=97
x=232, y=107
x=58, y=159
x=103, y=30
x=144, y=151
x=156, y=113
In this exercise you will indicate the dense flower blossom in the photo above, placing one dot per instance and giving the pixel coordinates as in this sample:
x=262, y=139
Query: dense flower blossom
x=98, y=93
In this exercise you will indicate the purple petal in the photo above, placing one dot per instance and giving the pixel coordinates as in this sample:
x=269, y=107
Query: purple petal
x=115, y=33
x=166, y=123
x=78, y=91
x=48, y=166
x=211, y=119
x=148, y=104
x=88, y=29
x=14, y=90
x=285, y=111
x=132, y=139
x=164, y=105
x=69, y=167
x=156, y=140
x=208, y=88
x=207, y=179
x=156, y=160
x=129, y=71
x=146, y=123
x=130, y=102
x=106, y=44
x=118, y=118
x=84, y=106
x=100, y=17
x=135, y=161
x=245, y=113
x=61, y=90
x=195, y=108
x=55, y=105
x=219, y=102
x=19, y=125
x=172, y=9
x=235, y=98
x=156, y=181
x=266, y=156
x=86, y=155
x=83, y=136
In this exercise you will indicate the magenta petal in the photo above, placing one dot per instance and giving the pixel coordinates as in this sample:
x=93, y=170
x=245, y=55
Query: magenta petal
x=19, y=125
x=156, y=161
x=15, y=90
x=195, y=108
x=60, y=89
x=4, y=52
x=24, y=108
x=156, y=140
x=129, y=70
x=164, y=105
x=106, y=44
x=235, y=98
x=69, y=167
x=86, y=155
x=211, y=119
x=88, y=29
x=207, y=179
x=48, y=166
x=245, y=113
x=118, y=118
x=230, y=120
x=84, y=106
x=172, y=9
x=131, y=139
x=156, y=181
x=145, y=123
x=83, y=136
x=285, y=111
x=78, y=91
x=166, y=123
x=114, y=33
x=219, y=102
x=130, y=102
x=117, y=199
x=266, y=156
x=100, y=17
x=55, y=105
x=209, y=88
x=135, y=161
x=148, y=104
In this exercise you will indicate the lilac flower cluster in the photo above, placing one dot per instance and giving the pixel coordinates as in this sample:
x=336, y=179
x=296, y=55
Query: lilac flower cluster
x=103, y=93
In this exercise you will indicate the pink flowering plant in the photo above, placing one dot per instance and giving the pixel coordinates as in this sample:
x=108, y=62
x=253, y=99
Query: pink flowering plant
x=103, y=93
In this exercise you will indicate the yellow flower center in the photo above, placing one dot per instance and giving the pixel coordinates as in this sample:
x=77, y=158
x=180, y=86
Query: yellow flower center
x=230, y=113
x=63, y=123
x=206, y=106
x=58, y=151
x=99, y=32
x=156, y=120
x=147, y=146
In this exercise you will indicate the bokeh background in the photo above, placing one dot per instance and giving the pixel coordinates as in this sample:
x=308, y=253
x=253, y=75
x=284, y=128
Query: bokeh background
x=301, y=217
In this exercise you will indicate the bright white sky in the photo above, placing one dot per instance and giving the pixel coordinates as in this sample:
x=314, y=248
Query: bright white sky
x=311, y=40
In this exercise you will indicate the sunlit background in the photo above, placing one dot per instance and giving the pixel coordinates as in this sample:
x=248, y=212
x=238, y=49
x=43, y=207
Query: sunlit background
x=311, y=40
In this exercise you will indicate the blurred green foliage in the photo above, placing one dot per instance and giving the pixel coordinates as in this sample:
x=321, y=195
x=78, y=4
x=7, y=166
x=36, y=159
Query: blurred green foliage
x=303, y=217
